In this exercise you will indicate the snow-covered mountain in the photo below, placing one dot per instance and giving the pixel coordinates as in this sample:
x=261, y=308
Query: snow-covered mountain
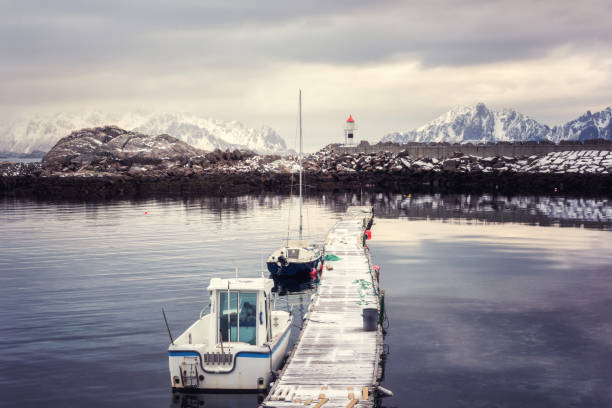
x=588, y=126
x=25, y=135
x=479, y=124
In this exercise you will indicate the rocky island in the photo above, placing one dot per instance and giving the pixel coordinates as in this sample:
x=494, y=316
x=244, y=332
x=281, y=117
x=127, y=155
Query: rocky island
x=109, y=162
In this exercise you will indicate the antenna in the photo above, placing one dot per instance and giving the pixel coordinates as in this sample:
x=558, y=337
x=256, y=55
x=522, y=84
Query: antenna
x=168, y=327
x=262, y=268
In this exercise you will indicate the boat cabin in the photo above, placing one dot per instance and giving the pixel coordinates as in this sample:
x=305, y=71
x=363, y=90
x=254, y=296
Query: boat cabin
x=299, y=250
x=241, y=311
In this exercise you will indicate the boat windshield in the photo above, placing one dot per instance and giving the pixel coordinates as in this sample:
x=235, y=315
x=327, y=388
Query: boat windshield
x=238, y=316
x=293, y=253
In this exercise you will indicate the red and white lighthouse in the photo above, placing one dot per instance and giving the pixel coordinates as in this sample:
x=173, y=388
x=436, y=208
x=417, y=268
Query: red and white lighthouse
x=349, y=130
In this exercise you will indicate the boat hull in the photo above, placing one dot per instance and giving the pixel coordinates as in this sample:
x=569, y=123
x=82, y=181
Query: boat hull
x=292, y=268
x=250, y=371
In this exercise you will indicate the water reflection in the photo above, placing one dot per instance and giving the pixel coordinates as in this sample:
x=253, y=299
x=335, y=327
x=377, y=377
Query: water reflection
x=495, y=314
x=284, y=285
x=295, y=292
x=534, y=210
x=208, y=400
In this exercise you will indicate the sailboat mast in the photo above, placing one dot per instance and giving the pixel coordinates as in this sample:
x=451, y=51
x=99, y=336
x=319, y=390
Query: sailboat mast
x=300, y=161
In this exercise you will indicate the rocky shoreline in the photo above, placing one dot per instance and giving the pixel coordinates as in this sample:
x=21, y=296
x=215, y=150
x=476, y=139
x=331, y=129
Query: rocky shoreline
x=30, y=180
x=108, y=162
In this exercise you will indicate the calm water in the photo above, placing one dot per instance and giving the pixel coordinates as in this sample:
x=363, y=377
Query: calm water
x=505, y=315
x=481, y=313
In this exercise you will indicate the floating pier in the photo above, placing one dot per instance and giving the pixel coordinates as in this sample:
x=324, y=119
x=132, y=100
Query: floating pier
x=335, y=362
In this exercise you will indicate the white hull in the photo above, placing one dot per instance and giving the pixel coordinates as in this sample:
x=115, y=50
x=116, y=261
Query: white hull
x=250, y=368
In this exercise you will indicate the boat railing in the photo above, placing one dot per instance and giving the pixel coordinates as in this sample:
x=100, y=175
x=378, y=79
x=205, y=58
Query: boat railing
x=204, y=309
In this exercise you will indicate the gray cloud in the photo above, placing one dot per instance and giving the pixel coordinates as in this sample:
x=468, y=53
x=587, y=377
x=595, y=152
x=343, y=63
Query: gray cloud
x=399, y=63
x=338, y=32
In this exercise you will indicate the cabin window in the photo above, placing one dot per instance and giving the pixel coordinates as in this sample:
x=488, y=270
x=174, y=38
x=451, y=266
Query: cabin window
x=248, y=318
x=293, y=253
x=238, y=316
x=228, y=321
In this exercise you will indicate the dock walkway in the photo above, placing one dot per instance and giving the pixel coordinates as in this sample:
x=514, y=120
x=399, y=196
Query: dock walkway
x=335, y=363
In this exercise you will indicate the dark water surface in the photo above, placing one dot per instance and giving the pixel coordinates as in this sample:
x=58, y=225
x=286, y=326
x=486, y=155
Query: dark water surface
x=496, y=315
x=481, y=313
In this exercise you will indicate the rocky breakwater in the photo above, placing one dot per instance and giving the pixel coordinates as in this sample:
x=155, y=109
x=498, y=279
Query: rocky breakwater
x=108, y=161
x=576, y=172
x=111, y=162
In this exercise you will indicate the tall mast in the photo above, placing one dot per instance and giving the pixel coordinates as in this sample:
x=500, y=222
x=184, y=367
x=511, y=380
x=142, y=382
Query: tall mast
x=300, y=161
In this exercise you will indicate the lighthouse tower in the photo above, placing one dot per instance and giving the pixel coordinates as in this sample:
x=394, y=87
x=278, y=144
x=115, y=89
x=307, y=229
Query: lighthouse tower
x=349, y=131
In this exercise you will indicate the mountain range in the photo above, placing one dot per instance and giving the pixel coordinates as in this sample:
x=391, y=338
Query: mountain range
x=25, y=135
x=480, y=124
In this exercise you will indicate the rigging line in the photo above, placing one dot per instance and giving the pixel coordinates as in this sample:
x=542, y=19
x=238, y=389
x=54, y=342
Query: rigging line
x=308, y=229
x=295, y=143
x=304, y=192
x=300, y=161
x=289, y=210
x=297, y=127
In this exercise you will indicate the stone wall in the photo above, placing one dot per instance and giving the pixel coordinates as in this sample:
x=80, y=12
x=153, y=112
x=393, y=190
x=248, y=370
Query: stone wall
x=441, y=151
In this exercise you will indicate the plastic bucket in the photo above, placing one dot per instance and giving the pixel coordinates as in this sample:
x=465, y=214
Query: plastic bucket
x=370, y=319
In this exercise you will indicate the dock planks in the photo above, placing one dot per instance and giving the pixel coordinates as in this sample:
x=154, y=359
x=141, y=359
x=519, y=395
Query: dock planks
x=335, y=363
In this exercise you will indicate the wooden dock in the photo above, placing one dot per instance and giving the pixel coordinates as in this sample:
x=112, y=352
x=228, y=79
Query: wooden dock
x=335, y=363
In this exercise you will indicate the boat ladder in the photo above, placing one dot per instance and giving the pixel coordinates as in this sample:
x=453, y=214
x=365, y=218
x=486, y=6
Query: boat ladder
x=189, y=375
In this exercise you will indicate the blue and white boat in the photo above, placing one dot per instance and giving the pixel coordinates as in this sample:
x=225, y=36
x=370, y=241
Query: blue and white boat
x=238, y=345
x=296, y=257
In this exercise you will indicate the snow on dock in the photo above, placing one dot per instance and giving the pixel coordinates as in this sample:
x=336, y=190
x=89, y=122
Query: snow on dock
x=335, y=362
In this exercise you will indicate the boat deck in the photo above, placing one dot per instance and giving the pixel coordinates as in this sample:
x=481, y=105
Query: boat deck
x=335, y=363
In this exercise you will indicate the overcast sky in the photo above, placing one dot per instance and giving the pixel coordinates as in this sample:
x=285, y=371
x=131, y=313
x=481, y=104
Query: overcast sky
x=393, y=65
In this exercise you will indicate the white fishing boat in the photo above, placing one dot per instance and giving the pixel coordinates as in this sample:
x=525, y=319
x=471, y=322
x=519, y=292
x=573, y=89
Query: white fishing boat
x=238, y=345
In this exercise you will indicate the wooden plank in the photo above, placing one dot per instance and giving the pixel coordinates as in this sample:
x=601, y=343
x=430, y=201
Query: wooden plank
x=321, y=403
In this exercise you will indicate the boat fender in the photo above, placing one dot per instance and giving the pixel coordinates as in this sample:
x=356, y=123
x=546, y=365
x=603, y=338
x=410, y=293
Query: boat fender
x=385, y=392
x=261, y=387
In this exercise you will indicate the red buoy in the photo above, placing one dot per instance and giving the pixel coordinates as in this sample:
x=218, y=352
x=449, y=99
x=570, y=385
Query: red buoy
x=369, y=234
